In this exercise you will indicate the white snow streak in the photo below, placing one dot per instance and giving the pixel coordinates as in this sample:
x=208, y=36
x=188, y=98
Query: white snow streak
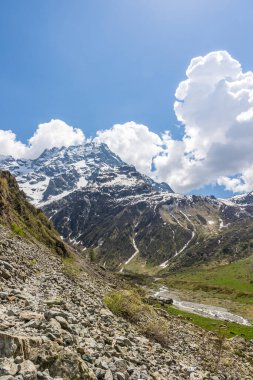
x=193, y=234
x=135, y=253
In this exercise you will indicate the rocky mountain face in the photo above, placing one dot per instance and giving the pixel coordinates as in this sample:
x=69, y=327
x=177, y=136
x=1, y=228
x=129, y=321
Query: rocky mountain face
x=61, y=171
x=54, y=326
x=97, y=202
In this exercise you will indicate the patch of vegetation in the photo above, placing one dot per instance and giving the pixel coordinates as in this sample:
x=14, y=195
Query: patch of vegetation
x=128, y=303
x=227, y=329
x=17, y=229
x=139, y=266
x=125, y=303
x=70, y=267
x=31, y=263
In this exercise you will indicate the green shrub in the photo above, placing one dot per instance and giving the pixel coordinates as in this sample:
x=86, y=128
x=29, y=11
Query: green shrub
x=17, y=230
x=125, y=303
x=128, y=304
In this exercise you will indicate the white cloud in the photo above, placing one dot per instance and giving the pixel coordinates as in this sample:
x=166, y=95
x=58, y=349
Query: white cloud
x=134, y=143
x=215, y=106
x=9, y=146
x=55, y=133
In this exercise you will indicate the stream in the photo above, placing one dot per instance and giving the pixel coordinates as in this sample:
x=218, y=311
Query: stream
x=198, y=308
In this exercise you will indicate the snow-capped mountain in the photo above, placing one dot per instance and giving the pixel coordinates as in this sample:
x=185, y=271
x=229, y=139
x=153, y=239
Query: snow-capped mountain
x=131, y=222
x=61, y=171
x=243, y=199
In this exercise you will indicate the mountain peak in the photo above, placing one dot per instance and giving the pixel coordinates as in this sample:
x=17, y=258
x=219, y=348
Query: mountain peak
x=60, y=171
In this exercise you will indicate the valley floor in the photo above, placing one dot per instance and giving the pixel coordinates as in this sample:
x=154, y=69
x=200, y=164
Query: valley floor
x=54, y=325
x=227, y=285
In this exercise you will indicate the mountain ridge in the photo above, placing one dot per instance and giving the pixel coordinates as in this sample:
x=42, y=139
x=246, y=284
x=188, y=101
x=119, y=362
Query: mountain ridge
x=80, y=166
x=97, y=202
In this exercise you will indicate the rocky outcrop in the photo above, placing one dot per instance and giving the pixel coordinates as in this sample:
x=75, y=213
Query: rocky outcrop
x=22, y=355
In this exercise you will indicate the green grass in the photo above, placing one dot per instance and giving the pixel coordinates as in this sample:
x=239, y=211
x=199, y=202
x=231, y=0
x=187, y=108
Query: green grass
x=17, y=229
x=70, y=266
x=214, y=325
x=234, y=280
x=139, y=266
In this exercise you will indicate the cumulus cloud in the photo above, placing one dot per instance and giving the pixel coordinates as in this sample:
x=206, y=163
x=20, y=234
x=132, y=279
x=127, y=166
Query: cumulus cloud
x=55, y=133
x=215, y=107
x=133, y=142
x=9, y=145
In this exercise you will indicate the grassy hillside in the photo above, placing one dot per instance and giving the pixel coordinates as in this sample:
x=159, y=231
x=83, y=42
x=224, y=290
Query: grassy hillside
x=235, y=278
x=229, y=285
x=23, y=218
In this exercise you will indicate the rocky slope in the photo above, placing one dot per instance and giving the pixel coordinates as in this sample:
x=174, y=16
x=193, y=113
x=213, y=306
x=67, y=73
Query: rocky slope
x=54, y=325
x=99, y=203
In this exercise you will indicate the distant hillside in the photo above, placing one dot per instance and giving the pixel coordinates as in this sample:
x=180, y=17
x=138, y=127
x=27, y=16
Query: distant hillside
x=23, y=218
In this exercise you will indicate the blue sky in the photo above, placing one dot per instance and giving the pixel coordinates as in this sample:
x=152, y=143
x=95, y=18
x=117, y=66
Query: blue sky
x=94, y=63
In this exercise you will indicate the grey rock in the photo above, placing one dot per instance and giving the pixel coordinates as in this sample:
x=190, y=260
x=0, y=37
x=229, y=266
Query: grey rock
x=120, y=376
x=108, y=375
x=8, y=367
x=44, y=375
x=28, y=370
x=64, y=324
x=6, y=265
x=54, y=327
x=18, y=359
x=121, y=365
x=100, y=373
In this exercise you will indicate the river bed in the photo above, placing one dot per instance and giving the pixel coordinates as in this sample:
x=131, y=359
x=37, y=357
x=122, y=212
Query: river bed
x=200, y=309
